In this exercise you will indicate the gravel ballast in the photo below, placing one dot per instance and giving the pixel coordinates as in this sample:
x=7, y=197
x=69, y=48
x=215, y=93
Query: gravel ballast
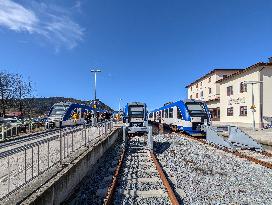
x=211, y=176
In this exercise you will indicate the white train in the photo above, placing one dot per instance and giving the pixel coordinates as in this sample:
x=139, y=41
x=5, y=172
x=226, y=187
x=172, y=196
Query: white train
x=186, y=115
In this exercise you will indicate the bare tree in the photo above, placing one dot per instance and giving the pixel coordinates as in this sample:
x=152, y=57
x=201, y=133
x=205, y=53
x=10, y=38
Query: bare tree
x=23, y=90
x=7, y=90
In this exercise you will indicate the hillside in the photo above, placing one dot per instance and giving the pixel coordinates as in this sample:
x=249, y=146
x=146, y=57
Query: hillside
x=41, y=106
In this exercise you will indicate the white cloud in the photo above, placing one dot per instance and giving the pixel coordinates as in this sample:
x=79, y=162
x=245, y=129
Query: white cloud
x=49, y=21
x=16, y=17
x=78, y=5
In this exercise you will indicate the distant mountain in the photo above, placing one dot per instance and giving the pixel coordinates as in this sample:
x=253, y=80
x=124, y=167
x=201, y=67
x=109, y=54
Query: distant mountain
x=41, y=106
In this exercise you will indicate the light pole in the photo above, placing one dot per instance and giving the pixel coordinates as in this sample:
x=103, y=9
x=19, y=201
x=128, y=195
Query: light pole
x=95, y=71
x=94, y=121
x=120, y=104
x=252, y=83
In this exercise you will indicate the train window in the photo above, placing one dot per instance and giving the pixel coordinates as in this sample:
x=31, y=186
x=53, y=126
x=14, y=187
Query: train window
x=163, y=114
x=166, y=113
x=179, y=115
x=171, y=112
x=195, y=108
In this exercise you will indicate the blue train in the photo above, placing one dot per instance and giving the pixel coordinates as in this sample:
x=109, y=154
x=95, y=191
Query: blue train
x=135, y=117
x=186, y=115
x=68, y=114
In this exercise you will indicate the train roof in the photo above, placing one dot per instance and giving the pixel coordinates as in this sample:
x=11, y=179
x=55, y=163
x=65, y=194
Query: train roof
x=175, y=104
x=136, y=103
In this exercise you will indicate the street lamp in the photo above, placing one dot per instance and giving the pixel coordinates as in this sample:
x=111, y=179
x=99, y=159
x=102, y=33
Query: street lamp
x=120, y=104
x=252, y=83
x=95, y=71
x=94, y=121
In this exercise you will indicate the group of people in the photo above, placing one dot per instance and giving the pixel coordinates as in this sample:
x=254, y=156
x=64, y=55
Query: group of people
x=89, y=116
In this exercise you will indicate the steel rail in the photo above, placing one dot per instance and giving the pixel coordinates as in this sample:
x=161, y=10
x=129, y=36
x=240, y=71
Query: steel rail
x=24, y=138
x=112, y=188
x=33, y=136
x=54, y=135
x=236, y=153
x=165, y=182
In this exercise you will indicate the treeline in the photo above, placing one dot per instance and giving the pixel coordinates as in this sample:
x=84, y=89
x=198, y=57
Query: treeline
x=14, y=89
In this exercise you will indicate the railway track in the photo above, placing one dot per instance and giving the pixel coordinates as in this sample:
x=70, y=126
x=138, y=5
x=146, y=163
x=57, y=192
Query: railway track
x=26, y=138
x=138, y=178
x=262, y=158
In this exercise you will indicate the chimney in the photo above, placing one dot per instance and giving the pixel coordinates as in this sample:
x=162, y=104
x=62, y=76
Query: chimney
x=270, y=59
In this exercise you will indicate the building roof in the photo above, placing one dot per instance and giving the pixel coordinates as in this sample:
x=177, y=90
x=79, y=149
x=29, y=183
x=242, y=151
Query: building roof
x=244, y=70
x=212, y=72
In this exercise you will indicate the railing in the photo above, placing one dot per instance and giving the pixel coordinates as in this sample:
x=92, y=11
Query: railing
x=22, y=164
x=8, y=132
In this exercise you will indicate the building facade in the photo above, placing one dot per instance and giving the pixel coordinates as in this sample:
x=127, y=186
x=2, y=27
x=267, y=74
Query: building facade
x=246, y=96
x=237, y=96
x=207, y=89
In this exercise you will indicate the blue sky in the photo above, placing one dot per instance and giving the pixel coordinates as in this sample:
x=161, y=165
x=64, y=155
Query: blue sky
x=148, y=50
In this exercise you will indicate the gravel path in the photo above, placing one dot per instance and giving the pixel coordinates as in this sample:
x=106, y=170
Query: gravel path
x=211, y=176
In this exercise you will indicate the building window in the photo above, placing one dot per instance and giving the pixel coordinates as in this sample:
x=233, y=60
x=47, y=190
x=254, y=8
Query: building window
x=243, y=87
x=243, y=110
x=210, y=90
x=191, y=88
x=201, y=94
x=170, y=112
x=210, y=79
x=191, y=97
x=224, y=76
x=163, y=114
x=197, y=85
x=201, y=84
x=229, y=90
x=196, y=95
x=230, y=111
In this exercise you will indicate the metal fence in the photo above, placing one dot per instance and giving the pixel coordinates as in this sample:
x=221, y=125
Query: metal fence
x=23, y=163
x=13, y=131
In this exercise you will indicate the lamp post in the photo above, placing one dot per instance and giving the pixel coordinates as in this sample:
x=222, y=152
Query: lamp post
x=120, y=104
x=94, y=121
x=95, y=71
x=252, y=83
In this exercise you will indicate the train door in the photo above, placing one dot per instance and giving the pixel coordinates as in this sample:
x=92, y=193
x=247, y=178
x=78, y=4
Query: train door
x=171, y=115
x=166, y=116
x=179, y=117
x=157, y=116
x=175, y=115
x=162, y=117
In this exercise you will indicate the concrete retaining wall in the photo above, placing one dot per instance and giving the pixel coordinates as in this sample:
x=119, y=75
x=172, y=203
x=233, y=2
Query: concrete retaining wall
x=59, y=188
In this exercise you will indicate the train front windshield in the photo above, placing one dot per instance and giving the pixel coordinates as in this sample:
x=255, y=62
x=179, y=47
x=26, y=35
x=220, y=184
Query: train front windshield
x=136, y=111
x=58, y=111
x=196, y=108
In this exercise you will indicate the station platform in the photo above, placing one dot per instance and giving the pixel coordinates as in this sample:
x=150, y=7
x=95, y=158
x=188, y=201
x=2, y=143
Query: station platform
x=263, y=136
